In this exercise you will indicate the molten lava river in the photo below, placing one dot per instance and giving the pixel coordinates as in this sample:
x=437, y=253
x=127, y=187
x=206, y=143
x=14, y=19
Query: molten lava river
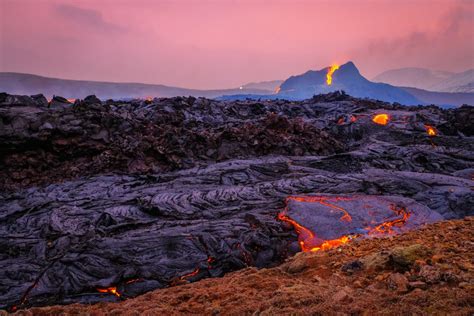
x=323, y=222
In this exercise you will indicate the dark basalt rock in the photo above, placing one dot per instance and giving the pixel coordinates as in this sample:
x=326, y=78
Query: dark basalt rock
x=92, y=99
x=136, y=196
x=40, y=100
x=90, y=138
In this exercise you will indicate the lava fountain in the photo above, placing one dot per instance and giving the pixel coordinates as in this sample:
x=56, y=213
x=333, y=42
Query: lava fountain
x=331, y=71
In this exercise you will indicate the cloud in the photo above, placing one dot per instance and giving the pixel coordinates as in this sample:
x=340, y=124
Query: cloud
x=454, y=20
x=86, y=17
x=449, y=45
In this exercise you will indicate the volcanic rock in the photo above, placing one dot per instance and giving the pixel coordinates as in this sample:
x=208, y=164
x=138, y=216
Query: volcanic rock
x=59, y=102
x=404, y=257
x=102, y=202
x=397, y=281
x=274, y=291
x=40, y=100
x=418, y=285
x=298, y=265
x=92, y=99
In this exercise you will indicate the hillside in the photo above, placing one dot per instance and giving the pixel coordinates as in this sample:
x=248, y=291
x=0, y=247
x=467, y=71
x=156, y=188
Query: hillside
x=427, y=79
x=441, y=98
x=271, y=86
x=17, y=83
x=427, y=271
x=460, y=82
x=415, y=77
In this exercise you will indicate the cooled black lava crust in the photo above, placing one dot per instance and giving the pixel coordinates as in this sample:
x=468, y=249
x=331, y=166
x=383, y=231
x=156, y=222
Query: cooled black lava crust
x=107, y=200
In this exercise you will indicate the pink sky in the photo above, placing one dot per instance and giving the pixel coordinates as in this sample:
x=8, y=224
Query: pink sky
x=225, y=43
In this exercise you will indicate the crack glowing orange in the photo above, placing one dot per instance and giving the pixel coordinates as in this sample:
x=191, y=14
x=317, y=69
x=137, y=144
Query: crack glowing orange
x=381, y=119
x=331, y=71
x=189, y=275
x=110, y=290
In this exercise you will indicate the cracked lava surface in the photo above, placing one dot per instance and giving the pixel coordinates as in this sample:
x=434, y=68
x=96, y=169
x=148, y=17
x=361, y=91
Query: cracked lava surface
x=104, y=201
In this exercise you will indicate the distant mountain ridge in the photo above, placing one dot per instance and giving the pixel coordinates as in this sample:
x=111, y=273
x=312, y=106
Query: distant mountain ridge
x=427, y=79
x=460, y=82
x=349, y=79
x=19, y=83
x=271, y=86
x=346, y=78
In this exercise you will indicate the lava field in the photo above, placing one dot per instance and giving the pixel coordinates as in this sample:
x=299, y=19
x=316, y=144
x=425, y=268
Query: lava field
x=106, y=200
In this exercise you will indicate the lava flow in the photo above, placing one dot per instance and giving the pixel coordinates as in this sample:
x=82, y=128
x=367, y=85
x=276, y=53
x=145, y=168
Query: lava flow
x=381, y=119
x=331, y=71
x=386, y=227
x=308, y=240
x=430, y=130
x=189, y=275
x=324, y=201
x=110, y=290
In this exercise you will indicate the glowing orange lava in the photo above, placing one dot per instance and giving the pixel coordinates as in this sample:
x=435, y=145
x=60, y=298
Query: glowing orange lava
x=110, y=290
x=386, y=227
x=331, y=71
x=430, y=130
x=381, y=119
x=304, y=234
x=310, y=242
x=306, y=237
x=328, y=244
x=342, y=120
x=132, y=281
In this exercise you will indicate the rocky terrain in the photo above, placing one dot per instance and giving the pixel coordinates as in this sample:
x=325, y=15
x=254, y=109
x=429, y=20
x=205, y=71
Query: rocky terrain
x=428, y=271
x=106, y=200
